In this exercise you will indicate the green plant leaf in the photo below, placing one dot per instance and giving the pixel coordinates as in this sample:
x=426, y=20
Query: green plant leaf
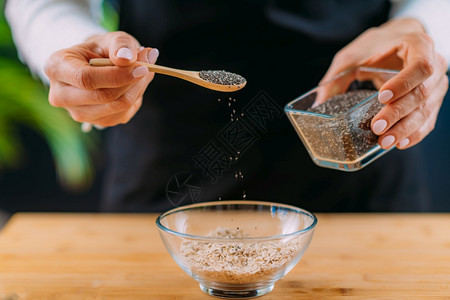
x=24, y=101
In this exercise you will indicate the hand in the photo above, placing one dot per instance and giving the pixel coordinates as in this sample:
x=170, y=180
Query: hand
x=104, y=96
x=414, y=96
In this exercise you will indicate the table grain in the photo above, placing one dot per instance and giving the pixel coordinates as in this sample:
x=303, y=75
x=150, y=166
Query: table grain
x=120, y=256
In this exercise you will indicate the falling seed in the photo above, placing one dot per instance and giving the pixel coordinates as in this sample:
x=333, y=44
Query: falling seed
x=234, y=100
x=220, y=198
x=242, y=114
x=244, y=195
x=229, y=104
x=239, y=152
x=218, y=100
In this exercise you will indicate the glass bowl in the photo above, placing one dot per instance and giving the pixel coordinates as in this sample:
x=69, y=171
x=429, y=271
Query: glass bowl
x=236, y=249
x=343, y=139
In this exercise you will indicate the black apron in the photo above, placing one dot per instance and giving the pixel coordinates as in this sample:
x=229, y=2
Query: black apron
x=174, y=150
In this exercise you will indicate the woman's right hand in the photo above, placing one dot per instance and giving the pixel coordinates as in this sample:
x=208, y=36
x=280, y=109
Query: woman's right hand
x=104, y=96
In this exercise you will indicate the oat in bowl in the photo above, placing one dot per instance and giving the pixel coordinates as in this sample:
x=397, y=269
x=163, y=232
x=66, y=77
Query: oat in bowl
x=236, y=249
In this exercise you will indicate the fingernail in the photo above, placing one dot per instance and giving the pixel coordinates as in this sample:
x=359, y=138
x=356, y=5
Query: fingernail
x=379, y=126
x=404, y=143
x=98, y=127
x=315, y=104
x=86, y=127
x=152, y=56
x=387, y=141
x=141, y=48
x=140, y=71
x=125, y=53
x=385, y=96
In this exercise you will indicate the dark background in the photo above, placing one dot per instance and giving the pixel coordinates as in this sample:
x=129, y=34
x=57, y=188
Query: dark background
x=34, y=187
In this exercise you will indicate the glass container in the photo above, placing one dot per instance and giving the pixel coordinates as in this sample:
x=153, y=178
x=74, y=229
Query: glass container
x=339, y=135
x=236, y=249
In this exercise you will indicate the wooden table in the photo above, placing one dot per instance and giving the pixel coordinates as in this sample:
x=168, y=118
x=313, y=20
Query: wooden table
x=120, y=256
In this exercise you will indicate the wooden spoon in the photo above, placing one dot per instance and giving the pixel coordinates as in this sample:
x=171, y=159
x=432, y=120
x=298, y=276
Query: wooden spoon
x=192, y=76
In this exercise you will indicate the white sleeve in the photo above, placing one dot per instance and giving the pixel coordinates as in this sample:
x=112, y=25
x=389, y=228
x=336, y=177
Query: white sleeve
x=434, y=16
x=42, y=27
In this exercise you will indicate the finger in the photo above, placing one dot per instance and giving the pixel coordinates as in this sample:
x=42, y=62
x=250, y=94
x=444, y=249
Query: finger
x=126, y=101
x=63, y=95
x=415, y=120
x=389, y=115
x=68, y=67
x=333, y=82
x=122, y=48
x=417, y=52
x=120, y=118
x=92, y=113
x=148, y=55
x=419, y=135
x=402, y=129
x=429, y=125
x=398, y=109
x=342, y=61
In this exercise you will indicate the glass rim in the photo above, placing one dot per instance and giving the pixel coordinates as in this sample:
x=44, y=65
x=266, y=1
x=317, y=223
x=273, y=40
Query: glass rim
x=236, y=202
x=288, y=107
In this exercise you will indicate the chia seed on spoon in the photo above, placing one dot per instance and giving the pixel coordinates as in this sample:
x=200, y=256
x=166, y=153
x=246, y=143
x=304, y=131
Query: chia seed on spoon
x=222, y=77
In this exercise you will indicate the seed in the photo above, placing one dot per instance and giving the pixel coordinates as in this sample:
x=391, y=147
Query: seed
x=229, y=260
x=347, y=138
x=222, y=77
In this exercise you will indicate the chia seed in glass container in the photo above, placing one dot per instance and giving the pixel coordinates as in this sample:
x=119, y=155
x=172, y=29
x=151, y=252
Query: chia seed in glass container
x=337, y=133
x=342, y=138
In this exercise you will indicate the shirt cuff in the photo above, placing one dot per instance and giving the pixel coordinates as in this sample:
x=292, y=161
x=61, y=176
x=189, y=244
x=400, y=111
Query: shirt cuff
x=42, y=27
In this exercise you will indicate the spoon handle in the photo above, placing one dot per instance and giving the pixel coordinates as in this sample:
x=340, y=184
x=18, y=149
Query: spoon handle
x=191, y=76
x=102, y=62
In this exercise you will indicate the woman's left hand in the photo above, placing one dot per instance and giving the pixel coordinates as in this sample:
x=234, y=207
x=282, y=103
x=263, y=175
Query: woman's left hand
x=414, y=96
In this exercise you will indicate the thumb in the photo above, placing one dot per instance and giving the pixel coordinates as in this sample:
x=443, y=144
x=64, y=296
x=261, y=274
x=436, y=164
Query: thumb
x=122, y=48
